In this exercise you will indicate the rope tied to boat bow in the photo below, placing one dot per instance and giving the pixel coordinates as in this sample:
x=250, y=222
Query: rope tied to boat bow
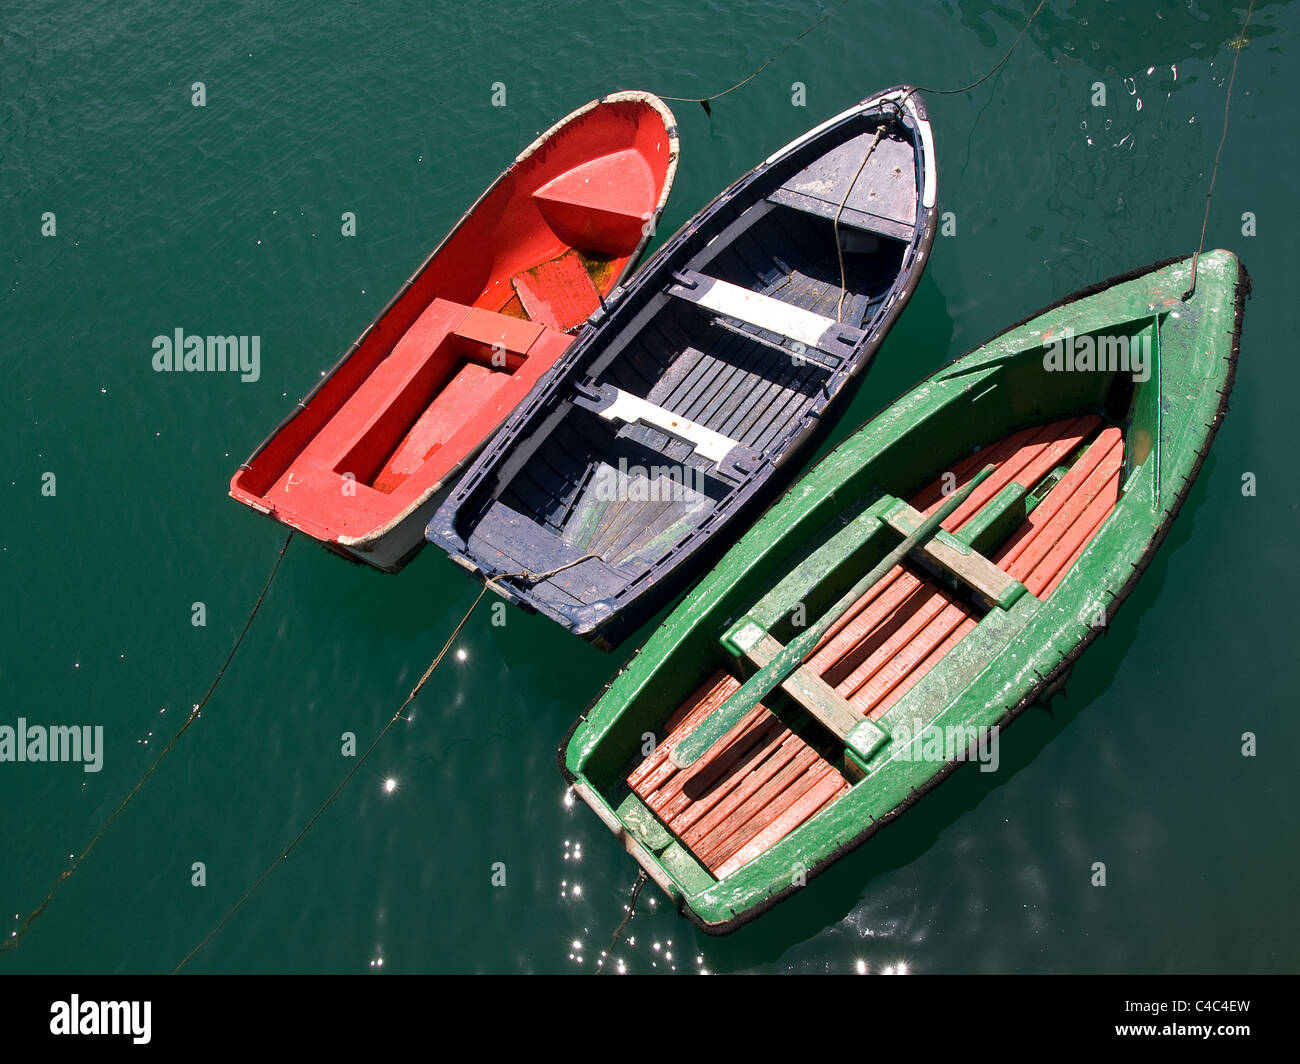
x=705, y=101
x=415, y=691
x=530, y=577
x=1237, y=45
x=835, y=227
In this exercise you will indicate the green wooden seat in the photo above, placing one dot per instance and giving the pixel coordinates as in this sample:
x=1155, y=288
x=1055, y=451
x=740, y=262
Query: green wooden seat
x=795, y=586
x=955, y=554
x=957, y=557
x=750, y=637
x=824, y=704
x=997, y=519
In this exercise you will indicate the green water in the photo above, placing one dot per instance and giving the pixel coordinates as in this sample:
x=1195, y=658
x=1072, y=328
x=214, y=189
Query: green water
x=226, y=219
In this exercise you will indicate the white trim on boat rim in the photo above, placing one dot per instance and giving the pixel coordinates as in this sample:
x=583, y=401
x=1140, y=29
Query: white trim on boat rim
x=929, y=168
x=904, y=94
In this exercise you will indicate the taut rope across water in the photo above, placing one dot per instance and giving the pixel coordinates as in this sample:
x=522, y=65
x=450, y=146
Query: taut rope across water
x=17, y=936
x=339, y=789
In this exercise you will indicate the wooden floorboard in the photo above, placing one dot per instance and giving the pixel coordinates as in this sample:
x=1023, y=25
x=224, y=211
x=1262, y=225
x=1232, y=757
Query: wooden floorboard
x=749, y=816
x=1072, y=544
x=816, y=798
x=909, y=664
x=1051, y=518
x=765, y=780
x=914, y=677
x=908, y=632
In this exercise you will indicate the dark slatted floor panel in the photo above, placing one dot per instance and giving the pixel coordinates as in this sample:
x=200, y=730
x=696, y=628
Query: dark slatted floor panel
x=739, y=388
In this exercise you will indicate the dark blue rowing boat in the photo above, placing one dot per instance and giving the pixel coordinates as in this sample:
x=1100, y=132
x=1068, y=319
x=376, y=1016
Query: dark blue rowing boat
x=670, y=420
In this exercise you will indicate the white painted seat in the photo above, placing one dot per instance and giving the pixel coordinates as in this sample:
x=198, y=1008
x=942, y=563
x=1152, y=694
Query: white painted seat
x=614, y=404
x=773, y=315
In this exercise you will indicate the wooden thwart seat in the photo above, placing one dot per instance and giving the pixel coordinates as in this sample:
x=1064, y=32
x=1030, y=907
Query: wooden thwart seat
x=947, y=552
x=822, y=702
x=888, y=639
x=391, y=424
x=956, y=557
x=614, y=404
x=895, y=634
x=764, y=312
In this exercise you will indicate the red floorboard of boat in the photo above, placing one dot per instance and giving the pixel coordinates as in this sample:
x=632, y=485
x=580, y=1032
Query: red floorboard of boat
x=559, y=293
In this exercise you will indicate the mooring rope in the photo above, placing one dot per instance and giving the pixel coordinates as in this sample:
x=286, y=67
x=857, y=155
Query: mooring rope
x=704, y=101
x=897, y=104
x=532, y=577
x=17, y=936
x=339, y=789
x=523, y=574
x=1238, y=45
x=992, y=70
x=844, y=281
x=641, y=878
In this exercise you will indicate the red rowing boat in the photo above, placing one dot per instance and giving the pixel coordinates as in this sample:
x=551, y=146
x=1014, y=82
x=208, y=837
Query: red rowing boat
x=362, y=462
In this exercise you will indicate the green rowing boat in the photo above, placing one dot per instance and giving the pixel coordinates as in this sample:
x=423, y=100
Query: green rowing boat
x=927, y=581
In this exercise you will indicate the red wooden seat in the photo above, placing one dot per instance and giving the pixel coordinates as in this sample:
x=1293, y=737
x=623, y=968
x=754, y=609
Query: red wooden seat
x=600, y=205
x=406, y=425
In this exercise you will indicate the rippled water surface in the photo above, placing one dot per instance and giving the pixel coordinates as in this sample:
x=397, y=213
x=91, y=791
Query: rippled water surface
x=225, y=219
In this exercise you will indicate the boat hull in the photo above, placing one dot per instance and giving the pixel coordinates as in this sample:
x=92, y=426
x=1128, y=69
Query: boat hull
x=364, y=459
x=1010, y=656
x=679, y=414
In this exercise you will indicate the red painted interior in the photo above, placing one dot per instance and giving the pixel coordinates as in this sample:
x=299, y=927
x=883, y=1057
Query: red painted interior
x=559, y=293
x=595, y=205
x=421, y=393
